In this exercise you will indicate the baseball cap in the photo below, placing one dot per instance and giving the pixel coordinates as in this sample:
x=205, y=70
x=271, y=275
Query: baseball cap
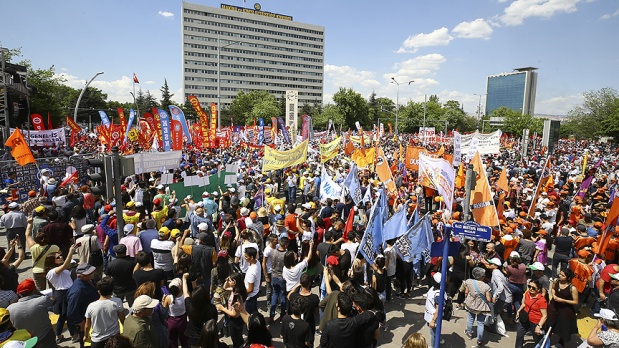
x=26, y=285
x=29, y=343
x=13, y=205
x=495, y=261
x=164, y=232
x=607, y=314
x=437, y=277
x=614, y=276
x=176, y=282
x=128, y=228
x=253, y=215
x=130, y=204
x=175, y=233
x=333, y=260
x=160, y=187
x=87, y=228
x=32, y=193
x=222, y=253
x=203, y=226
x=583, y=253
x=40, y=209
x=144, y=301
x=4, y=315
x=537, y=266
x=244, y=211
x=85, y=269
x=514, y=254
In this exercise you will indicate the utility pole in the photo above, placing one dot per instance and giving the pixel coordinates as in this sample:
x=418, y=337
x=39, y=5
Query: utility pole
x=120, y=222
x=469, y=185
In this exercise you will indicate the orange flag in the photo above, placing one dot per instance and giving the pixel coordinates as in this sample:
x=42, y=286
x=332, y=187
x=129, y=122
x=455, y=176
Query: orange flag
x=383, y=171
x=460, y=178
x=19, y=149
x=502, y=183
x=441, y=151
x=611, y=222
x=541, y=185
x=482, y=206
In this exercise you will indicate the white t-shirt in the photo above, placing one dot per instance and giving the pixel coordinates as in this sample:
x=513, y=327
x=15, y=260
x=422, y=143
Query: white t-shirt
x=267, y=255
x=103, y=316
x=391, y=256
x=351, y=247
x=240, y=252
x=254, y=272
x=162, y=254
x=292, y=276
x=60, y=281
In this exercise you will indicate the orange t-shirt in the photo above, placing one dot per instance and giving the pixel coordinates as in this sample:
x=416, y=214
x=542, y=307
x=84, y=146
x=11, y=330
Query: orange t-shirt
x=582, y=242
x=291, y=223
x=510, y=245
x=582, y=272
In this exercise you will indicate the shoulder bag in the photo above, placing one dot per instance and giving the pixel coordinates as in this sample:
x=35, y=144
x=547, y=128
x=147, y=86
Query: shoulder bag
x=523, y=317
x=95, y=259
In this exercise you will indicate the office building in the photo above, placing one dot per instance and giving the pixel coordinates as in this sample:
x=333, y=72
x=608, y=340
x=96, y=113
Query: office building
x=514, y=90
x=255, y=50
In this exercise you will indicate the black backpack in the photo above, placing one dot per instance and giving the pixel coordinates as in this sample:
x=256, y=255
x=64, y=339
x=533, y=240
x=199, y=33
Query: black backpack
x=448, y=309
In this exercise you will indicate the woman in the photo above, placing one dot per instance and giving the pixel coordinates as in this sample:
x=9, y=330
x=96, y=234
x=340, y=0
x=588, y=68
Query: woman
x=177, y=321
x=460, y=264
x=199, y=310
x=39, y=249
x=477, y=302
x=541, y=250
x=292, y=270
x=606, y=332
x=8, y=271
x=474, y=251
x=235, y=284
x=78, y=220
x=209, y=337
x=415, y=340
x=89, y=201
x=561, y=312
x=144, y=272
x=535, y=306
x=517, y=279
x=258, y=335
x=60, y=278
x=160, y=313
x=219, y=274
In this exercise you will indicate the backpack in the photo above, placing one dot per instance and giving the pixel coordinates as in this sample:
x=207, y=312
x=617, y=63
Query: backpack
x=448, y=309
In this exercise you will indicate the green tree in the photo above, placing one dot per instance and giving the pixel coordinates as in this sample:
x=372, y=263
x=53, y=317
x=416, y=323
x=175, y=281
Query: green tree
x=48, y=94
x=11, y=54
x=514, y=121
x=242, y=107
x=329, y=112
x=353, y=107
x=265, y=109
x=166, y=96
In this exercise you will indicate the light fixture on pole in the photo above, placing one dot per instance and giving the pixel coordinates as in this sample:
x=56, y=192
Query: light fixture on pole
x=77, y=105
x=397, y=102
x=479, y=108
x=219, y=47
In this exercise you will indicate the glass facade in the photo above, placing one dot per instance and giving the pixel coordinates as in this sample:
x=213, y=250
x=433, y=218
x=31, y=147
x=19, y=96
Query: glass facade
x=506, y=90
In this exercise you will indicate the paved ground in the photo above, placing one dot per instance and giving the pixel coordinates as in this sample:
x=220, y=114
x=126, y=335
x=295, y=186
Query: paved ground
x=403, y=318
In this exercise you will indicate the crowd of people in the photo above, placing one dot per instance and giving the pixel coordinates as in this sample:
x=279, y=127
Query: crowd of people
x=267, y=257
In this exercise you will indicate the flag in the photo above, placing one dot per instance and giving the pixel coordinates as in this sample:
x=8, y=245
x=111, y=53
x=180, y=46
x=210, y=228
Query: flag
x=482, y=205
x=367, y=197
x=460, y=178
x=123, y=123
x=259, y=198
x=397, y=225
x=49, y=122
x=384, y=172
x=541, y=185
x=584, y=162
x=414, y=218
x=349, y=148
x=19, y=149
x=502, y=182
x=366, y=247
x=37, y=122
x=584, y=187
x=104, y=119
x=362, y=157
x=178, y=115
x=417, y=240
x=438, y=174
x=329, y=150
x=128, y=124
x=611, y=222
x=353, y=185
x=166, y=136
x=349, y=223
x=135, y=79
x=328, y=187
x=377, y=230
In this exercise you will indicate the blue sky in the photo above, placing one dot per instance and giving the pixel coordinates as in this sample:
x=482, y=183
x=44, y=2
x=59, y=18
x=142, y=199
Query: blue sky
x=447, y=46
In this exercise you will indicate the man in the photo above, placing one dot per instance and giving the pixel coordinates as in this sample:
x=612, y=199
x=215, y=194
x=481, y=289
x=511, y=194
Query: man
x=30, y=313
x=162, y=252
x=252, y=279
x=139, y=327
x=197, y=219
x=103, y=315
x=88, y=244
x=342, y=331
x=39, y=219
x=203, y=257
x=276, y=256
x=431, y=313
x=146, y=236
x=15, y=223
x=603, y=286
x=267, y=266
x=295, y=331
x=28, y=206
x=563, y=248
x=121, y=270
x=310, y=314
x=59, y=233
x=79, y=296
x=160, y=213
x=131, y=216
x=290, y=222
x=131, y=241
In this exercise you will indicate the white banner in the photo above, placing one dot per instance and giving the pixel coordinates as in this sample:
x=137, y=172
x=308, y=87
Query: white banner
x=487, y=144
x=438, y=174
x=328, y=187
x=44, y=138
x=146, y=162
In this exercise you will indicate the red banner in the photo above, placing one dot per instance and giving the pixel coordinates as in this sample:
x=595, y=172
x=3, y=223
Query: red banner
x=146, y=133
x=305, y=127
x=123, y=121
x=158, y=126
x=116, y=135
x=196, y=135
x=49, y=122
x=203, y=119
x=37, y=122
x=74, y=126
x=213, y=125
x=177, y=135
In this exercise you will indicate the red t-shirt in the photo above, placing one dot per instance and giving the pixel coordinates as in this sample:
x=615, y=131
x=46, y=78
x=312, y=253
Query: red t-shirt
x=534, y=306
x=605, y=275
x=291, y=223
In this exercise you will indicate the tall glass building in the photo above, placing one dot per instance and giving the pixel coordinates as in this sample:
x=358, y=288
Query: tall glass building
x=515, y=90
x=245, y=49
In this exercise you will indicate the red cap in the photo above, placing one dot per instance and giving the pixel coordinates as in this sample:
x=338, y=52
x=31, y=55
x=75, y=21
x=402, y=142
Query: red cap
x=27, y=285
x=333, y=260
x=107, y=208
x=157, y=201
x=222, y=253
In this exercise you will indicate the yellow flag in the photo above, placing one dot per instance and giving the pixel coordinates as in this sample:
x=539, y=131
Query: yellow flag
x=329, y=150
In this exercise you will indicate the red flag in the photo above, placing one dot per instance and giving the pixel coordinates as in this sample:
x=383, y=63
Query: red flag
x=135, y=79
x=37, y=122
x=349, y=223
x=74, y=126
x=49, y=122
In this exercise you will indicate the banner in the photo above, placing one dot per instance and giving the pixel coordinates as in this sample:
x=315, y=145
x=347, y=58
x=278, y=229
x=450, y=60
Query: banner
x=412, y=156
x=352, y=184
x=123, y=123
x=305, y=127
x=260, y=131
x=284, y=131
x=19, y=149
x=329, y=150
x=74, y=126
x=159, y=136
x=146, y=162
x=417, y=240
x=384, y=172
x=166, y=135
x=213, y=126
x=273, y=128
x=364, y=157
x=482, y=206
x=202, y=117
x=37, y=122
x=196, y=136
x=438, y=174
x=116, y=135
x=46, y=137
x=178, y=115
x=487, y=144
x=49, y=122
x=176, y=134
x=274, y=159
x=457, y=149
x=328, y=187
x=104, y=119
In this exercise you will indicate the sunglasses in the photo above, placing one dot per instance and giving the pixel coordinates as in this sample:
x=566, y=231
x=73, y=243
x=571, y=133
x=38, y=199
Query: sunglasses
x=532, y=287
x=59, y=256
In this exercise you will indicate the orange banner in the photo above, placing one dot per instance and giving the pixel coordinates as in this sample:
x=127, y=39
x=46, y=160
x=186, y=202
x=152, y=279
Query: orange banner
x=482, y=206
x=213, y=125
x=19, y=149
x=123, y=121
x=412, y=156
x=384, y=172
x=157, y=126
x=74, y=126
x=203, y=117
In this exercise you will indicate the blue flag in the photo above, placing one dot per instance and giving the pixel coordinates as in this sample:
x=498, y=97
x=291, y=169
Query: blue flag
x=104, y=119
x=352, y=183
x=166, y=136
x=260, y=131
x=131, y=118
x=417, y=240
x=366, y=247
x=414, y=218
x=396, y=226
x=383, y=205
x=179, y=115
x=377, y=231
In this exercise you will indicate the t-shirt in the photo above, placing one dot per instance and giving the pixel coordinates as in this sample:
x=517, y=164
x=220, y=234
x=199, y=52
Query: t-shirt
x=253, y=274
x=341, y=332
x=295, y=332
x=60, y=281
x=291, y=223
x=240, y=253
x=162, y=254
x=103, y=316
x=609, y=338
x=277, y=262
x=534, y=306
x=292, y=276
x=310, y=314
x=155, y=275
x=122, y=271
x=35, y=251
x=391, y=256
x=267, y=255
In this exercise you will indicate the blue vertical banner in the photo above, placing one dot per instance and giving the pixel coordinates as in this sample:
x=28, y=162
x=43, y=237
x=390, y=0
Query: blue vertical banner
x=104, y=119
x=179, y=115
x=260, y=131
x=282, y=128
x=166, y=136
x=131, y=117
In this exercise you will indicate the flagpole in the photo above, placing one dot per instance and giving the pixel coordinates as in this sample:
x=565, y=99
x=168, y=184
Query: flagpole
x=441, y=296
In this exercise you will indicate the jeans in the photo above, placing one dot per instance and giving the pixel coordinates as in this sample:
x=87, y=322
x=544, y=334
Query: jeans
x=598, y=304
x=279, y=292
x=128, y=295
x=292, y=194
x=556, y=260
x=432, y=336
x=480, y=324
x=521, y=331
x=388, y=288
x=517, y=292
x=406, y=277
x=251, y=305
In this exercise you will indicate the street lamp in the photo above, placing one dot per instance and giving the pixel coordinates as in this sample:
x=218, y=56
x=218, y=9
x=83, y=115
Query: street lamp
x=397, y=102
x=77, y=105
x=479, y=108
x=219, y=47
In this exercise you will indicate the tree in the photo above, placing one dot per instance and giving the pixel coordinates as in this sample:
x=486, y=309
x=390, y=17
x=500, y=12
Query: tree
x=514, y=121
x=264, y=109
x=48, y=94
x=329, y=112
x=11, y=53
x=353, y=107
x=598, y=116
x=242, y=107
x=166, y=96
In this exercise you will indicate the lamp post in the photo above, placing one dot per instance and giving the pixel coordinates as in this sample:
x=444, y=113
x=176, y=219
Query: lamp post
x=397, y=102
x=219, y=47
x=479, y=108
x=77, y=105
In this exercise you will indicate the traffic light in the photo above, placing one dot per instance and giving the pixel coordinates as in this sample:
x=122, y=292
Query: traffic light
x=473, y=181
x=101, y=177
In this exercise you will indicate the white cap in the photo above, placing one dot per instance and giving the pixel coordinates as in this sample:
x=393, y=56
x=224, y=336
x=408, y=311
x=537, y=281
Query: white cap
x=495, y=261
x=200, y=204
x=607, y=314
x=128, y=228
x=244, y=211
x=215, y=193
x=437, y=277
x=231, y=189
x=188, y=197
x=13, y=205
x=203, y=226
x=514, y=254
x=160, y=187
x=537, y=266
x=306, y=206
x=205, y=194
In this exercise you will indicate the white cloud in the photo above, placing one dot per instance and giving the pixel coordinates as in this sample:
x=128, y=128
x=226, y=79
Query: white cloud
x=346, y=76
x=477, y=29
x=412, y=69
x=610, y=15
x=519, y=10
x=560, y=105
x=166, y=14
x=439, y=37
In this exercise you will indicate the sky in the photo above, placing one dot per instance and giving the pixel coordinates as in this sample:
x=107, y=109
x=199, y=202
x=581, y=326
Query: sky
x=448, y=47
